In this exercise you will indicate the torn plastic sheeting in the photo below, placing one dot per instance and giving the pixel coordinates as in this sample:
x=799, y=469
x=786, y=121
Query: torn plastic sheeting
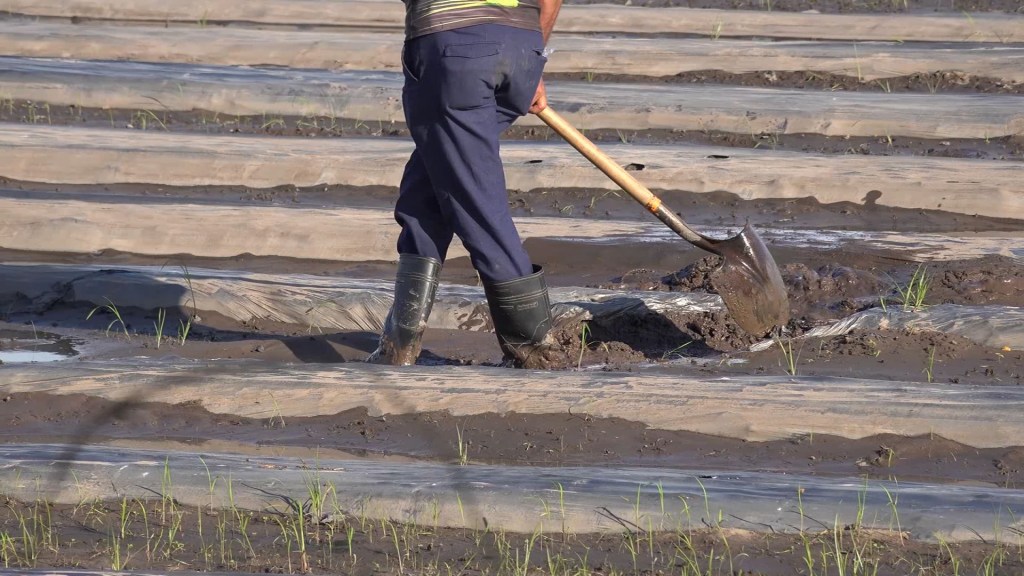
x=316, y=301
x=992, y=326
x=513, y=498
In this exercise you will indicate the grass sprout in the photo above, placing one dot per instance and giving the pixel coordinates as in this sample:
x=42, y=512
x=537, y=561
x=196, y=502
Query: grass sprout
x=112, y=309
x=716, y=30
x=584, y=334
x=463, y=447
x=185, y=326
x=929, y=366
x=789, y=358
x=914, y=293
x=158, y=326
x=311, y=533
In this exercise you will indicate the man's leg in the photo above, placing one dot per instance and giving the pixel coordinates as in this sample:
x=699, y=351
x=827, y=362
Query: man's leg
x=422, y=248
x=425, y=229
x=452, y=111
x=463, y=88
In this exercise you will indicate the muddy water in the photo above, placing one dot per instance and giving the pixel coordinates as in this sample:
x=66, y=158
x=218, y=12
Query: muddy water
x=21, y=346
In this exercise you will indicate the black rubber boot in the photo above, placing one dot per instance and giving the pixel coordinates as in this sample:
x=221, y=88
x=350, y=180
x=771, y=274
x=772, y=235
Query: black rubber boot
x=415, y=288
x=521, y=313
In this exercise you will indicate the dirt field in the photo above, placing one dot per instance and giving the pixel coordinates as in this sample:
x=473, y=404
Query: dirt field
x=921, y=303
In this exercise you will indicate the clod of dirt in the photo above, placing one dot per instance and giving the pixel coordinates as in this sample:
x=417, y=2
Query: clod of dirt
x=988, y=280
x=830, y=291
x=578, y=347
x=696, y=277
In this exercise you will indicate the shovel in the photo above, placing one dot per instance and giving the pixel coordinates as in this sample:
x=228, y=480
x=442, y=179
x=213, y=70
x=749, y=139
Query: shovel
x=748, y=279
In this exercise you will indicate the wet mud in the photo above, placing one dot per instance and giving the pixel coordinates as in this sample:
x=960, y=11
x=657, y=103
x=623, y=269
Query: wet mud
x=824, y=286
x=510, y=438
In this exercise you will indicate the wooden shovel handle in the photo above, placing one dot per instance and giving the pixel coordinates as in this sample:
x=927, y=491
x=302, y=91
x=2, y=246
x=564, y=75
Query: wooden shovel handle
x=624, y=179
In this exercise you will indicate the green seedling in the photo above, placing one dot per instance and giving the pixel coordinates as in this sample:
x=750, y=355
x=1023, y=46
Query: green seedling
x=916, y=291
x=856, y=57
x=274, y=123
x=117, y=563
x=889, y=454
x=561, y=507
x=862, y=500
x=277, y=419
x=141, y=119
x=716, y=30
x=954, y=562
x=158, y=325
x=463, y=447
x=185, y=326
x=584, y=334
x=112, y=308
x=210, y=480
x=894, y=512
x=674, y=354
x=350, y=536
x=929, y=366
x=8, y=550
x=183, y=329
x=789, y=358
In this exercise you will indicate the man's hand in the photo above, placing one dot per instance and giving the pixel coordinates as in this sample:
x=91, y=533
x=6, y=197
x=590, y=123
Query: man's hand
x=540, y=98
x=548, y=14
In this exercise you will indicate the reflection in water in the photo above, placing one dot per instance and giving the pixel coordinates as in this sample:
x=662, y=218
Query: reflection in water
x=24, y=356
x=19, y=347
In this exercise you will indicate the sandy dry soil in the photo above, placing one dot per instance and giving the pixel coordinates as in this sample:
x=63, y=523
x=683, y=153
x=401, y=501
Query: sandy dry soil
x=824, y=284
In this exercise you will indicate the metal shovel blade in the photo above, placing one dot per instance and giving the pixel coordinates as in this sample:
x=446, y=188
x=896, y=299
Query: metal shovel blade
x=749, y=282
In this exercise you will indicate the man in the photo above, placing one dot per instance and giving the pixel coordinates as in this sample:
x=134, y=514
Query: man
x=472, y=67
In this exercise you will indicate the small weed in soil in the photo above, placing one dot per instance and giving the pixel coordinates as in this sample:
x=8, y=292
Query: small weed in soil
x=317, y=536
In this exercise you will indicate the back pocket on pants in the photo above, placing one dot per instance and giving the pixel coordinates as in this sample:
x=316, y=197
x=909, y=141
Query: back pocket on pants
x=470, y=73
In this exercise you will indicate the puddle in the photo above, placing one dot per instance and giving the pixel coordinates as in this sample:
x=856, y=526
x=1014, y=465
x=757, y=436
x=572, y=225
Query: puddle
x=21, y=347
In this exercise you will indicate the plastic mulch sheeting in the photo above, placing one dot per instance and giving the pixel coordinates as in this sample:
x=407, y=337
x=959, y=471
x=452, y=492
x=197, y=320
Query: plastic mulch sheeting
x=514, y=498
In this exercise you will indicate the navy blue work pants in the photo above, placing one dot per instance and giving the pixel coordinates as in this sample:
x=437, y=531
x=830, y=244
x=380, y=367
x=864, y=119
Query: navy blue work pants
x=463, y=88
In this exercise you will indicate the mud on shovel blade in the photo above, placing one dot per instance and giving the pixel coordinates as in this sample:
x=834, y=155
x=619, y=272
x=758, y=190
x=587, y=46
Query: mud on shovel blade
x=748, y=280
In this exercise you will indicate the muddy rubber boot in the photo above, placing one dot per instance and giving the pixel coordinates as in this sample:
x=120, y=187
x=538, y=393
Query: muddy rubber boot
x=521, y=313
x=415, y=288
